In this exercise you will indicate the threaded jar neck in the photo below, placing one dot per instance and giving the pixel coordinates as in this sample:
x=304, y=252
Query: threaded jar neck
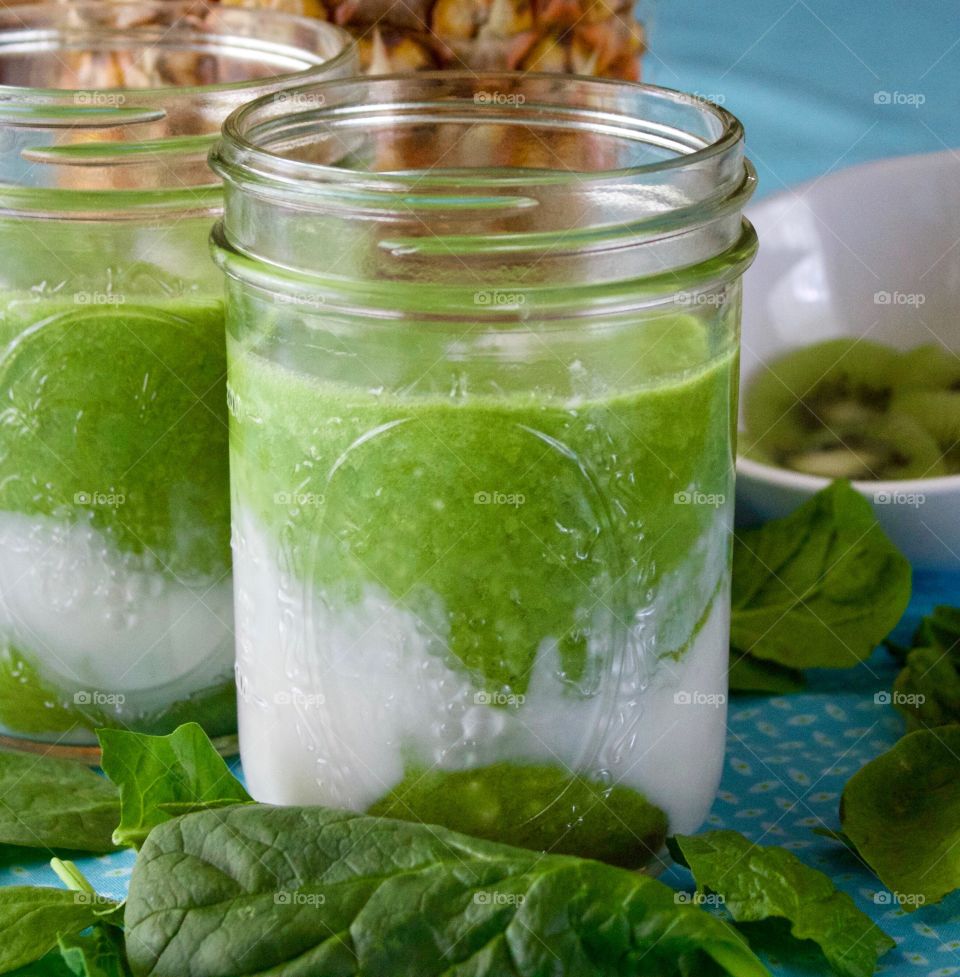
x=399, y=191
x=112, y=107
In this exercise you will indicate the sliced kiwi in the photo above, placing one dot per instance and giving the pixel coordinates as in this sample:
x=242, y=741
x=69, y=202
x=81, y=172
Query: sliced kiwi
x=929, y=367
x=938, y=412
x=851, y=408
x=826, y=391
x=892, y=447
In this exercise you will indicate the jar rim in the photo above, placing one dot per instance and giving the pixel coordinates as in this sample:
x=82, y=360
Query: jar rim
x=330, y=46
x=391, y=192
x=88, y=152
x=240, y=152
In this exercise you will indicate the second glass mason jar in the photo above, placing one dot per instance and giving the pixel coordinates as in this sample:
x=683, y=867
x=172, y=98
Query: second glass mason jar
x=482, y=351
x=115, y=578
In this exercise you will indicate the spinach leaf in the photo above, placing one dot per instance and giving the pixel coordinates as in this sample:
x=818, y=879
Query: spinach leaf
x=758, y=883
x=504, y=802
x=100, y=953
x=902, y=812
x=749, y=674
x=55, y=804
x=927, y=691
x=160, y=777
x=941, y=629
x=33, y=919
x=819, y=588
x=50, y=965
x=307, y=891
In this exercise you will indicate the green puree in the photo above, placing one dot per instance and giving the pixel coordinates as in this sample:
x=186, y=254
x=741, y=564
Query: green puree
x=32, y=708
x=114, y=415
x=501, y=523
x=125, y=401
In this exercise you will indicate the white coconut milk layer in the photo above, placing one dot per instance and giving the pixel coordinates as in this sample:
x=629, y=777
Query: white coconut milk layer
x=336, y=700
x=91, y=619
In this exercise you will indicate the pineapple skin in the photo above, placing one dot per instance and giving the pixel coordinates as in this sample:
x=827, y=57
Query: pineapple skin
x=586, y=37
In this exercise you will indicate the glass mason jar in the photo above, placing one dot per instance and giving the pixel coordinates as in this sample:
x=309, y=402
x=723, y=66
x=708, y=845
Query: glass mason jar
x=482, y=345
x=115, y=578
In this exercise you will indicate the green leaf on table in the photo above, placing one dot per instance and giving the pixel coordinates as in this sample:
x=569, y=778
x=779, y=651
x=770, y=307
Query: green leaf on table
x=759, y=883
x=820, y=588
x=284, y=891
x=749, y=674
x=161, y=776
x=99, y=953
x=941, y=629
x=902, y=812
x=32, y=919
x=927, y=691
x=55, y=804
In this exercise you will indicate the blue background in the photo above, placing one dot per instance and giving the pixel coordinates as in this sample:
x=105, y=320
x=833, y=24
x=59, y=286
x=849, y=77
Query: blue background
x=805, y=78
x=802, y=76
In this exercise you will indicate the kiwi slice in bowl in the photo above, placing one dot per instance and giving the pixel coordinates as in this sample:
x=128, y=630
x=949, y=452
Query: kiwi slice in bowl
x=852, y=408
x=893, y=447
x=825, y=392
x=938, y=413
x=929, y=367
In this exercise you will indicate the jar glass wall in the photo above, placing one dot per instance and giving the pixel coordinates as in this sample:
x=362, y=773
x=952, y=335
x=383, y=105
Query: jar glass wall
x=115, y=576
x=482, y=345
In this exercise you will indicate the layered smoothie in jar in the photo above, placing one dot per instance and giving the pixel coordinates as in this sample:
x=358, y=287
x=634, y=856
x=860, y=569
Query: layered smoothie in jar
x=481, y=456
x=115, y=569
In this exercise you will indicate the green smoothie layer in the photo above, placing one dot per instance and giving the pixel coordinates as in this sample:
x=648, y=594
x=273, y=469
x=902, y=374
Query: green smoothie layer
x=537, y=807
x=501, y=523
x=113, y=416
x=114, y=413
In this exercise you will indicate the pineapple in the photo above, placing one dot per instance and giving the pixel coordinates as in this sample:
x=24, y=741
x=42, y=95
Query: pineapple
x=587, y=37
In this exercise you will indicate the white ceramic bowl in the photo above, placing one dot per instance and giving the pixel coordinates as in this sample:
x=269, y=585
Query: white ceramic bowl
x=872, y=251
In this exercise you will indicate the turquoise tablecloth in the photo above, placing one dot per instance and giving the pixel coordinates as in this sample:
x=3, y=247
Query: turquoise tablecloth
x=819, y=85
